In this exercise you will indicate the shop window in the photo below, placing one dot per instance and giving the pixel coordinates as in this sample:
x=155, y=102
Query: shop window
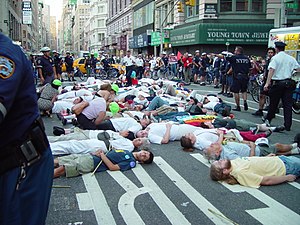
x=225, y=5
x=257, y=5
x=241, y=5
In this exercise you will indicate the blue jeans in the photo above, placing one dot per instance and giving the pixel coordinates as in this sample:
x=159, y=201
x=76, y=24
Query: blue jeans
x=292, y=165
x=156, y=103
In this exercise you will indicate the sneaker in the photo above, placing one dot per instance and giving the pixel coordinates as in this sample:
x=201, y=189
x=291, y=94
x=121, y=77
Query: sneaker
x=279, y=128
x=237, y=109
x=297, y=139
x=258, y=113
x=268, y=133
x=245, y=106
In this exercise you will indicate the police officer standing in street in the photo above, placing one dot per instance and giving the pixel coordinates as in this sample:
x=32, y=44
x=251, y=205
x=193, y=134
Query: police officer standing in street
x=69, y=66
x=26, y=162
x=46, y=67
x=58, y=63
x=240, y=66
x=280, y=85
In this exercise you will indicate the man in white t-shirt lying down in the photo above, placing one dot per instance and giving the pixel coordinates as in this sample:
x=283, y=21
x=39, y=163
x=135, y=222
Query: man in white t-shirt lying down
x=162, y=133
x=103, y=142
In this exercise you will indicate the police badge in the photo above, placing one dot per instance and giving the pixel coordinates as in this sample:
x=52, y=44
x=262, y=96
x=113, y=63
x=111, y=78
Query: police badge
x=7, y=67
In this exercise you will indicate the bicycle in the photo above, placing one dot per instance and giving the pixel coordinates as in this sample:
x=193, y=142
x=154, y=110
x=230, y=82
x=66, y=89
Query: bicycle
x=296, y=94
x=209, y=78
x=164, y=72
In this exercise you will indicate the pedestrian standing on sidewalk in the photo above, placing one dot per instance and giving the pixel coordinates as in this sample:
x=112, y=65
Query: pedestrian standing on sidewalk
x=240, y=66
x=280, y=85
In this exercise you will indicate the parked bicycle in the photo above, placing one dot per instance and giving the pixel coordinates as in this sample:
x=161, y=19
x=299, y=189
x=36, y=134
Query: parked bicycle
x=162, y=73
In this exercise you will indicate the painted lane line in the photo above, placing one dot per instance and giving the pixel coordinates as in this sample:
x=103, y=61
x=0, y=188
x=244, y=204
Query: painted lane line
x=162, y=201
x=202, y=203
x=95, y=200
x=275, y=214
x=126, y=202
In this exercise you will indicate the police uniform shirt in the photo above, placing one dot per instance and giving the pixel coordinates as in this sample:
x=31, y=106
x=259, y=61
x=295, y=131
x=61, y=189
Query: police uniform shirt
x=69, y=61
x=128, y=61
x=240, y=64
x=123, y=158
x=139, y=62
x=284, y=65
x=46, y=64
x=57, y=60
x=17, y=93
x=196, y=60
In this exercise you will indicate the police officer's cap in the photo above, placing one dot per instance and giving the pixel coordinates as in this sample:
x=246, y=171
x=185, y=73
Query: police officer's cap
x=54, y=51
x=164, y=53
x=45, y=49
x=197, y=51
x=204, y=53
x=280, y=44
x=67, y=52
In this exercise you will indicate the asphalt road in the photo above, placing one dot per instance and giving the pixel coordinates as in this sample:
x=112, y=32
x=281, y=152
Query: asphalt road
x=175, y=189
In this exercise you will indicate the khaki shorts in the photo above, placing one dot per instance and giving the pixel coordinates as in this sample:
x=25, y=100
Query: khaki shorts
x=77, y=164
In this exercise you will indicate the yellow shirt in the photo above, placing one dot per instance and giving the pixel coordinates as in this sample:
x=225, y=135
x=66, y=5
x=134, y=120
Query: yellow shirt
x=249, y=171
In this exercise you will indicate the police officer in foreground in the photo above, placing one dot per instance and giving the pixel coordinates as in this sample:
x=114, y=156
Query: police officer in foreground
x=280, y=85
x=46, y=67
x=26, y=162
x=240, y=66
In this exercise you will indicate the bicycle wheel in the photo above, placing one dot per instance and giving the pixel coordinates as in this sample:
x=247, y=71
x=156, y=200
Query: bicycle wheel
x=112, y=73
x=101, y=75
x=296, y=102
x=208, y=79
x=169, y=75
x=255, y=92
x=154, y=75
x=81, y=76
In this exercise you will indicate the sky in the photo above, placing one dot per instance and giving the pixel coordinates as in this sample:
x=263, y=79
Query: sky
x=55, y=7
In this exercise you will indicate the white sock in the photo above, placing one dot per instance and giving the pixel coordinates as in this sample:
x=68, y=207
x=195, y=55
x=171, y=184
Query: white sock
x=294, y=145
x=295, y=150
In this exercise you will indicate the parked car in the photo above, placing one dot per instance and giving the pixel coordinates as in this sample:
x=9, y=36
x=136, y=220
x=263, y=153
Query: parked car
x=79, y=63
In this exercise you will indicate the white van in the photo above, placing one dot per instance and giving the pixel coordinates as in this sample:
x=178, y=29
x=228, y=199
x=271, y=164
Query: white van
x=290, y=36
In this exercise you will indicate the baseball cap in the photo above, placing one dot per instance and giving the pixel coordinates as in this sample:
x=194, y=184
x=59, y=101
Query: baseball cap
x=280, y=44
x=203, y=53
x=115, y=88
x=114, y=107
x=262, y=142
x=197, y=51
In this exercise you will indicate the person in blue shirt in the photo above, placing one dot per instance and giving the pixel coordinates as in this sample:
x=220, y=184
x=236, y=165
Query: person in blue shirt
x=25, y=157
x=46, y=67
x=76, y=164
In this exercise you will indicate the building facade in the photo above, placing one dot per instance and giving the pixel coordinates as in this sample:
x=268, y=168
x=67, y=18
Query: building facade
x=119, y=26
x=96, y=26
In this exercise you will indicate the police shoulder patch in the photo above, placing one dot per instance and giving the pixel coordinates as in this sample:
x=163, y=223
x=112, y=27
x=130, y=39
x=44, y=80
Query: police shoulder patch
x=7, y=67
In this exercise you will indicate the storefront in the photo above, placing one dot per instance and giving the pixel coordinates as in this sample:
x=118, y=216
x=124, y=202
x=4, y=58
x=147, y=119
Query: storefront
x=219, y=37
x=140, y=44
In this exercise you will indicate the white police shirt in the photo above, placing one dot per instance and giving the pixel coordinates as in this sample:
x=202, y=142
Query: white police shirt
x=284, y=65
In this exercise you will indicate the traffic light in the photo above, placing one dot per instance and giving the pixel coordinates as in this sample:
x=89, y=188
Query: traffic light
x=179, y=6
x=190, y=2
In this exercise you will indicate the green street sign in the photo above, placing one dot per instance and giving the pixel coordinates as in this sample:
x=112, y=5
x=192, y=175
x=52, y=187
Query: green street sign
x=155, y=39
x=292, y=5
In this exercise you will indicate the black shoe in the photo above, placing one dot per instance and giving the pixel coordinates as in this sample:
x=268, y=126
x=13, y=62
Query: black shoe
x=202, y=84
x=69, y=79
x=279, y=128
x=73, y=79
x=266, y=121
x=268, y=133
x=57, y=131
x=217, y=86
x=288, y=129
x=220, y=93
x=297, y=139
x=266, y=108
x=245, y=106
x=237, y=109
x=258, y=113
x=230, y=95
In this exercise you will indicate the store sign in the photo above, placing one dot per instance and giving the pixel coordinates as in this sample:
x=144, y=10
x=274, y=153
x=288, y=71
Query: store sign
x=26, y=12
x=210, y=8
x=139, y=41
x=220, y=34
x=185, y=36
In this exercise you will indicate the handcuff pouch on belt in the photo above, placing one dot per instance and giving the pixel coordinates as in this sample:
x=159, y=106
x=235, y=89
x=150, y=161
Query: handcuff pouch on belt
x=26, y=153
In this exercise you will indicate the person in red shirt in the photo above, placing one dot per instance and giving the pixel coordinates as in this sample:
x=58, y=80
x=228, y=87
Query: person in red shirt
x=187, y=65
